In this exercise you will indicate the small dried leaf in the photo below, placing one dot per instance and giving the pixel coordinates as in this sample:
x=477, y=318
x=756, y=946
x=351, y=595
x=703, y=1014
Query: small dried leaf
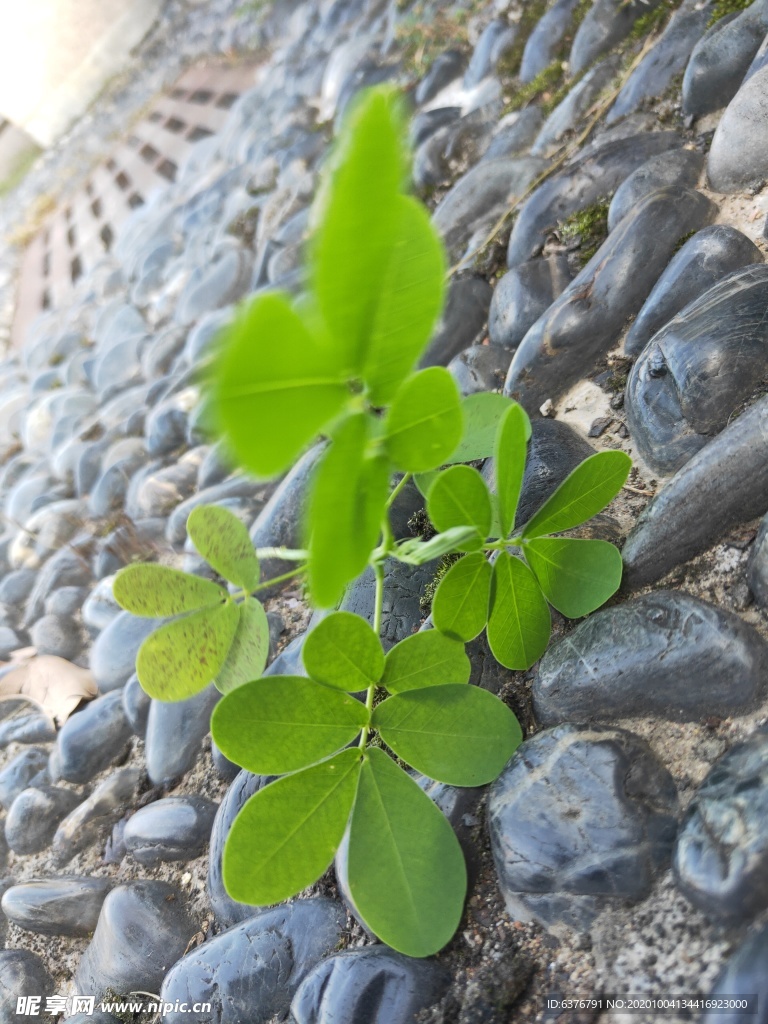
x=55, y=684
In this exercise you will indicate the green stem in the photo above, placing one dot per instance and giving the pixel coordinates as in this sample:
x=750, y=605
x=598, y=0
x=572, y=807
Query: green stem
x=396, y=490
x=378, y=570
x=286, y=554
x=280, y=579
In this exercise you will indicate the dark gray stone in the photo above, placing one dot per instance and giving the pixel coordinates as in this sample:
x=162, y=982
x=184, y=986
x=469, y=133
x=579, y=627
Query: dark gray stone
x=93, y=739
x=252, y=971
x=66, y=601
x=722, y=486
x=464, y=315
x=55, y=635
x=446, y=68
x=166, y=428
x=584, y=322
x=569, y=112
x=136, y=703
x=738, y=157
x=403, y=589
x=9, y=642
x=176, y=828
x=480, y=368
x=17, y=586
x=721, y=856
x=695, y=372
x=375, y=985
x=514, y=134
x=143, y=929
x=758, y=566
x=238, y=492
x=581, y=819
x=760, y=60
x=221, y=281
x=91, y=819
x=69, y=905
x=679, y=167
x=24, y=721
x=721, y=58
x=544, y=42
x=188, y=722
x=594, y=176
x=667, y=58
x=704, y=260
x=522, y=295
x=452, y=148
x=495, y=40
x=30, y=766
x=100, y=608
x=34, y=816
x=113, y=655
x=744, y=973
x=665, y=654
x=21, y=974
x=606, y=23
x=428, y=122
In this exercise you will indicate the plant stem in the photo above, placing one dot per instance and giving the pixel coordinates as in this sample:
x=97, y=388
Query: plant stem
x=280, y=579
x=378, y=570
x=396, y=490
x=286, y=554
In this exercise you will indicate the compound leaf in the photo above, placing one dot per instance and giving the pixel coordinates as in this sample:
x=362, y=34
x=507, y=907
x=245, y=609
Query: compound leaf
x=274, y=385
x=460, y=604
x=223, y=541
x=576, y=576
x=425, y=659
x=248, y=654
x=157, y=591
x=462, y=735
x=460, y=497
x=510, y=450
x=458, y=538
x=280, y=724
x=346, y=507
x=287, y=834
x=584, y=492
x=344, y=652
x=407, y=876
x=184, y=656
x=425, y=421
x=409, y=300
x=482, y=415
x=519, y=624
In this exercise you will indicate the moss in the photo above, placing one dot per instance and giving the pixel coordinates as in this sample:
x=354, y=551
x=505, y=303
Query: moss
x=546, y=80
x=509, y=63
x=423, y=34
x=588, y=228
x=425, y=601
x=724, y=7
x=682, y=240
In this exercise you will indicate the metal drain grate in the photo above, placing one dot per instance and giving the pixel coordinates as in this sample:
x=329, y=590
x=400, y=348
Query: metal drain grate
x=78, y=233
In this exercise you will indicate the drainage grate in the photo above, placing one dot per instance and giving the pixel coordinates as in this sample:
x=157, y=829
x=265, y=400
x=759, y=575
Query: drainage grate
x=77, y=235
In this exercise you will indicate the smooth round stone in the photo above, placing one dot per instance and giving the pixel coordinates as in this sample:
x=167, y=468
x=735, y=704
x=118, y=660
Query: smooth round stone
x=591, y=178
x=100, y=608
x=464, y=315
x=217, y=284
x=569, y=112
x=113, y=655
x=584, y=322
x=21, y=974
x=68, y=905
x=446, y=68
x=721, y=58
x=53, y=634
x=375, y=984
x=401, y=611
x=760, y=60
x=238, y=492
x=581, y=819
x=66, y=601
x=143, y=929
x=480, y=368
x=9, y=642
x=66, y=568
x=721, y=857
x=17, y=586
x=605, y=24
x=666, y=59
x=458, y=143
x=543, y=44
x=678, y=167
x=34, y=816
x=91, y=819
x=493, y=43
x=698, y=369
x=721, y=487
x=744, y=973
x=24, y=721
x=705, y=259
x=738, y=156
x=522, y=295
x=94, y=738
x=666, y=654
x=514, y=134
x=30, y=766
x=176, y=828
x=188, y=722
x=758, y=566
x=144, y=539
x=136, y=703
x=252, y=971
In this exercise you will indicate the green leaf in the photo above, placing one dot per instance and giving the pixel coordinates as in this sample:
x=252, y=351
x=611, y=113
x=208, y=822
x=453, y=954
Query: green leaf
x=248, y=654
x=519, y=624
x=223, y=541
x=409, y=300
x=407, y=876
x=460, y=604
x=280, y=724
x=274, y=385
x=462, y=735
x=482, y=415
x=184, y=656
x=576, y=576
x=584, y=493
x=287, y=834
x=344, y=652
x=419, y=552
x=425, y=480
x=510, y=451
x=358, y=211
x=425, y=659
x=156, y=591
x=459, y=497
x=424, y=422
x=346, y=507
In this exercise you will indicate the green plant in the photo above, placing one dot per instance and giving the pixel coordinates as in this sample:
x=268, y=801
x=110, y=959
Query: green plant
x=586, y=228
x=340, y=363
